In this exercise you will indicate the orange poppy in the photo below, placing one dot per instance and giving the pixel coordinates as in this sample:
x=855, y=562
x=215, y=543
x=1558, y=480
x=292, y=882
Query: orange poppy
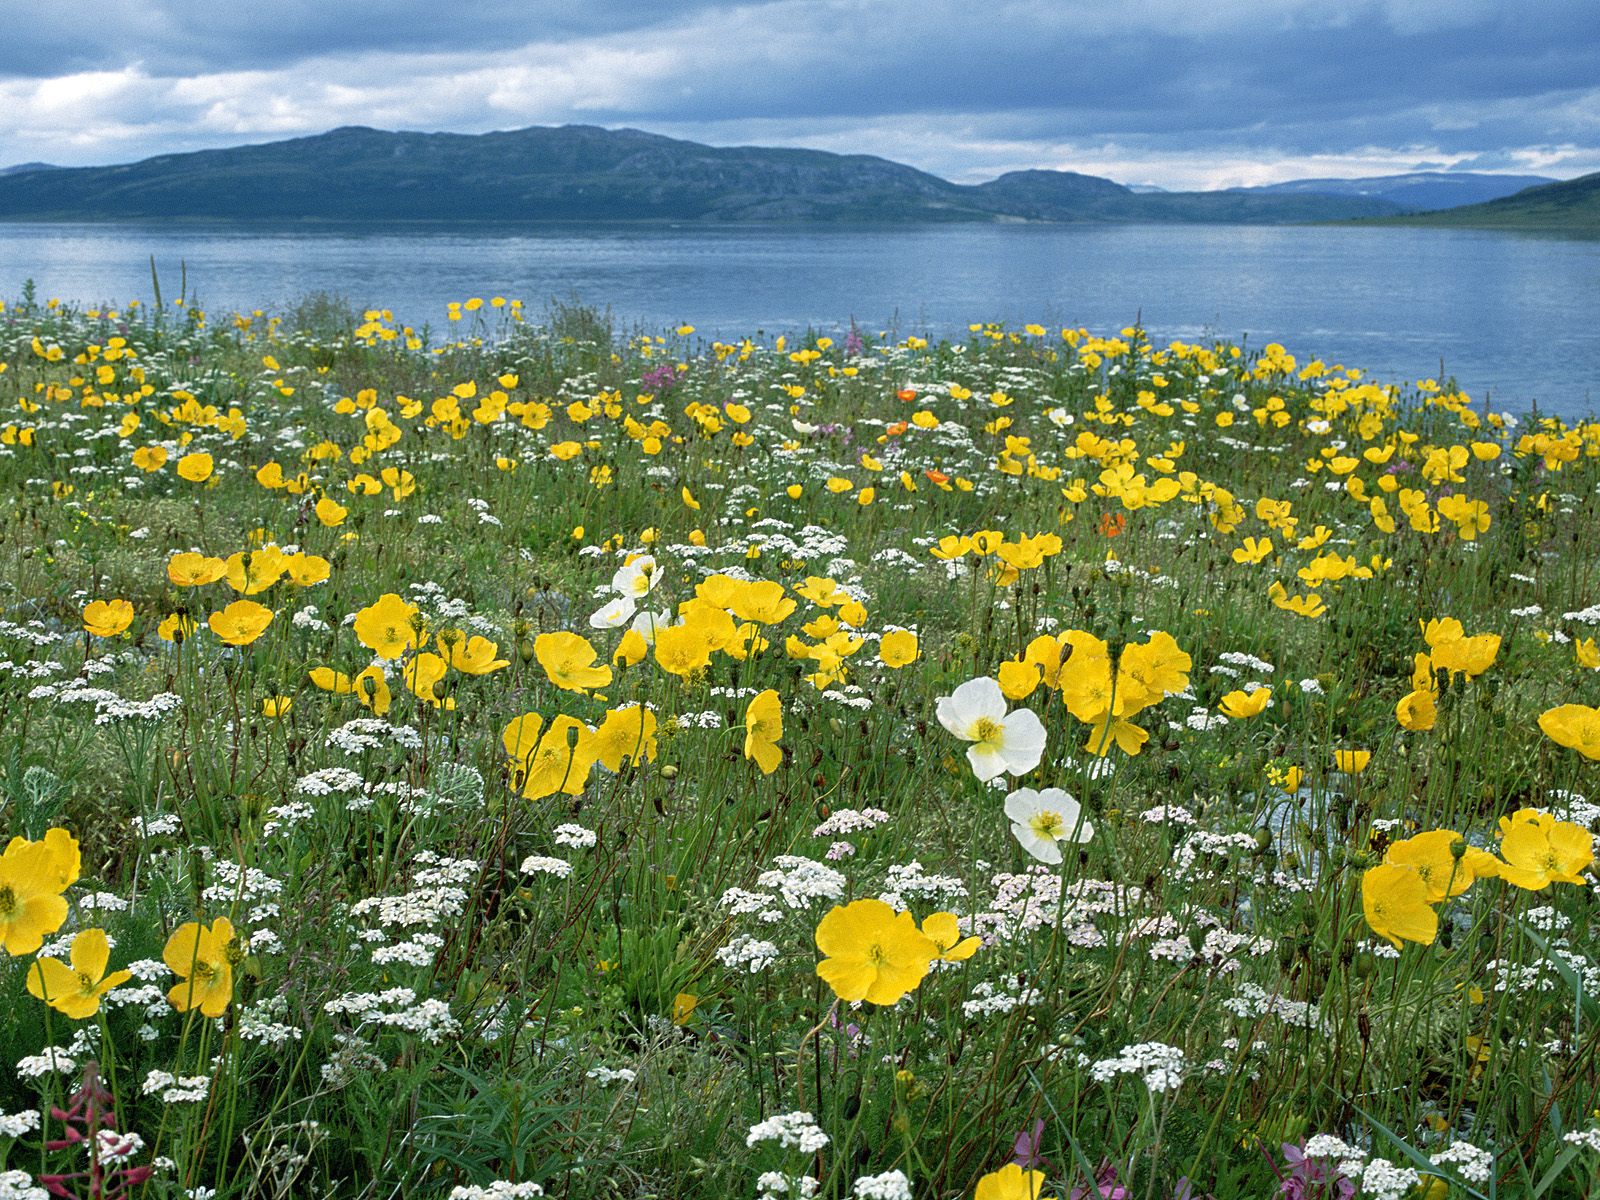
x=1111, y=524
x=907, y=394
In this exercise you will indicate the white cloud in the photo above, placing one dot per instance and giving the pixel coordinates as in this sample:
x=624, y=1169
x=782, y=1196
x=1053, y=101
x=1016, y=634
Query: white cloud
x=1174, y=92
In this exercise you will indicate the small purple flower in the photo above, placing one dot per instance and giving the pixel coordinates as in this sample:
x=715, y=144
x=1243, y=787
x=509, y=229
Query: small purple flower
x=1026, y=1151
x=1310, y=1178
x=1104, y=1187
x=659, y=381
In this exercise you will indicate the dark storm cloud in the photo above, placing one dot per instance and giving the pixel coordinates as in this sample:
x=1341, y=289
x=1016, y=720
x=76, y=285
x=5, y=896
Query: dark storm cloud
x=186, y=37
x=1201, y=93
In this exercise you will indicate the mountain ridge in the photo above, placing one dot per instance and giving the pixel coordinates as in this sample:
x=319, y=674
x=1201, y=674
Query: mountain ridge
x=586, y=173
x=1415, y=191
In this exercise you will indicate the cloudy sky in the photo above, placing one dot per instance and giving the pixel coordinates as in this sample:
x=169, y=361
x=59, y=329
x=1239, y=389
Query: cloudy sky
x=1180, y=93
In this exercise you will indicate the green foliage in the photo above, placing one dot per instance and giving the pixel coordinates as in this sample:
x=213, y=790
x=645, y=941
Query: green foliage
x=447, y=975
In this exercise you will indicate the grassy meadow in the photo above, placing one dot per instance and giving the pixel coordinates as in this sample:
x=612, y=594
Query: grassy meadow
x=520, y=757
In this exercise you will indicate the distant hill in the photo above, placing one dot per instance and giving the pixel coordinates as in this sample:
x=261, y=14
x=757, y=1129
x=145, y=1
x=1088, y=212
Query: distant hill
x=1572, y=206
x=1420, y=191
x=585, y=173
x=24, y=168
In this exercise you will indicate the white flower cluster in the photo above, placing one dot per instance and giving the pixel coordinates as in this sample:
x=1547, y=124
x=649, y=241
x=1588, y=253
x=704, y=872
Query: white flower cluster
x=774, y=1185
x=891, y=1185
x=500, y=1189
x=1326, y=1148
x=368, y=733
x=287, y=815
x=109, y=707
x=850, y=820
x=35, y=633
x=176, y=1089
x=1253, y=1001
x=155, y=826
x=32, y=669
x=1588, y=616
x=539, y=864
x=352, y=1057
x=801, y=882
x=328, y=781
x=259, y=1024
x=748, y=954
x=117, y=1147
x=575, y=836
x=1382, y=1180
x=744, y=903
x=909, y=879
x=1203, y=720
x=1471, y=1163
x=398, y=1008
x=15, y=1125
x=987, y=1000
x=422, y=907
x=1160, y=1066
x=1224, y=950
x=237, y=882
x=1588, y=1138
x=1570, y=806
x=307, y=618
x=793, y=1131
x=1247, y=662
x=32, y=1066
x=416, y=951
x=19, y=1185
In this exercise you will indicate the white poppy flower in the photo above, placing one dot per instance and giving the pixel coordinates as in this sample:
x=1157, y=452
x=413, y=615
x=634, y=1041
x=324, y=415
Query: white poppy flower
x=1041, y=821
x=637, y=579
x=647, y=624
x=976, y=712
x=614, y=614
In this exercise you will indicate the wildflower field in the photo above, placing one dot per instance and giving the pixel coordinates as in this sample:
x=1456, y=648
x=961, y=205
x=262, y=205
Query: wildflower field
x=518, y=758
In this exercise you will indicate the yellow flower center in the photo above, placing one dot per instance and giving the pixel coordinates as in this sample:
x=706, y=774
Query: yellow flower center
x=876, y=955
x=8, y=901
x=987, y=729
x=1048, y=824
x=85, y=984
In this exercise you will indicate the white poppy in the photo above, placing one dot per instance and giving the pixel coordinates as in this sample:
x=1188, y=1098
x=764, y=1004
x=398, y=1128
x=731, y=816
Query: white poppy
x=1041, y=821
x=614, y=614
x=647, y=624
x=637, y=579
x=976, y=712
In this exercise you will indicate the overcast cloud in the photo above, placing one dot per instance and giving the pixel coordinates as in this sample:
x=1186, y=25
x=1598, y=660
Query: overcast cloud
x=1182, y=93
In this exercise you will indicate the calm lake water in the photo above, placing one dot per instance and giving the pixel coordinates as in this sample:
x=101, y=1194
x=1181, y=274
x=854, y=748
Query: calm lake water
x=1513, y=317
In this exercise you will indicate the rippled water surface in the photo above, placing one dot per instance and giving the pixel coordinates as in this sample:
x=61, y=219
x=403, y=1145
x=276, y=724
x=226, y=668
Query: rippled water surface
x=1515, y=318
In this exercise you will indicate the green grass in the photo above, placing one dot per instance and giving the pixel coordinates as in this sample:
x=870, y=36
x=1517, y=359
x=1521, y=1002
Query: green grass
x=588, y=1032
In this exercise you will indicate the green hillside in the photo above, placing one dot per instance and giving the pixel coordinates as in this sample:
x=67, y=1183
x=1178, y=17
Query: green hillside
x=1572, y=206
x=584, y=173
